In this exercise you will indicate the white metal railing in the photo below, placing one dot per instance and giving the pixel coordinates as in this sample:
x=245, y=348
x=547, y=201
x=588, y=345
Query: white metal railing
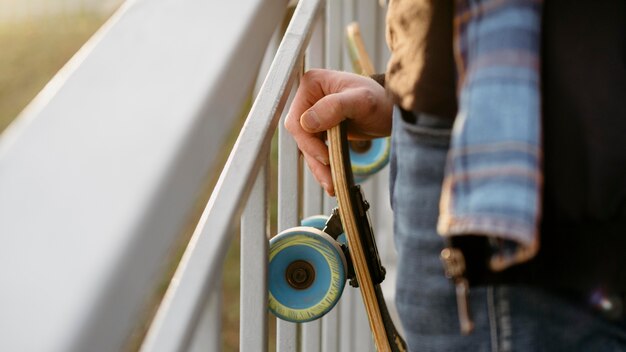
x=202, y=260
x=100, y=173
x=346, y=328
x=110, y=173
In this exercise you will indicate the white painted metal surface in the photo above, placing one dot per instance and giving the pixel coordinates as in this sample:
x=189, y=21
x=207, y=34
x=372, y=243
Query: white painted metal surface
x=205, y=252
x=334, y=35
x=253, y=328
x=253, y=325
x=98, y=175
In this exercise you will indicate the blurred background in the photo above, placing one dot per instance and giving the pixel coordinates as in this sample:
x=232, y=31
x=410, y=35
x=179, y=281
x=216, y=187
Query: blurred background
x=37, y=37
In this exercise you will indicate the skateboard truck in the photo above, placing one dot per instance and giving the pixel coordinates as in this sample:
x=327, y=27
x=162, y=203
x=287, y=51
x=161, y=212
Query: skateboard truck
x=334, y=228
x=333, y=225
x=377, y=271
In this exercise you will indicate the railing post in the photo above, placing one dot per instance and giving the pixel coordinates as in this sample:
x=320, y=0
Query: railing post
x=254, y=259
x=288, y=214
x=312, y=203
x=197, y=269
x=334, y=32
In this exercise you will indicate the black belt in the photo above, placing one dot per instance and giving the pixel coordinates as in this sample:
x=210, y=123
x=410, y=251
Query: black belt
x=583, y=262
x=426, y=120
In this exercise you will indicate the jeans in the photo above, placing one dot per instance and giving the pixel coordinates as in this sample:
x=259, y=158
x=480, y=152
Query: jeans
x=506, y=317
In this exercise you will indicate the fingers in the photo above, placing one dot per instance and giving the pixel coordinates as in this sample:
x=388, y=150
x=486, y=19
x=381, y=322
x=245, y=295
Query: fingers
x=326, y=98
x=332, y=109
x=309, y=92
x=325, y=113
x=312, y=146
x=315, y=154
x=321, y=173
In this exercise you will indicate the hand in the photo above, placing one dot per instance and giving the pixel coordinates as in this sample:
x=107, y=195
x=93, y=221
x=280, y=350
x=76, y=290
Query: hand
x=326, y=98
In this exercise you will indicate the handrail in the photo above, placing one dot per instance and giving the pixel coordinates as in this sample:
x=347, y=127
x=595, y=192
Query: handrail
x=100, y=174
x=170, y=330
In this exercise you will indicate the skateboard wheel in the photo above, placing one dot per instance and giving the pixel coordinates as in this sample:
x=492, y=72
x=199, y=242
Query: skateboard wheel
x=307, y=272
x=369, y=157
x=319, y=222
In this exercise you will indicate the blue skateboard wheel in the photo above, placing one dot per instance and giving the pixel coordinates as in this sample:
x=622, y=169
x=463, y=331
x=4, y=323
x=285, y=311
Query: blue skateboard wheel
x=307, y=272
x=369, y=157
x=319, y=222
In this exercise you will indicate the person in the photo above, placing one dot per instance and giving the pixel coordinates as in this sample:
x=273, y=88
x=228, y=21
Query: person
x=506, y=120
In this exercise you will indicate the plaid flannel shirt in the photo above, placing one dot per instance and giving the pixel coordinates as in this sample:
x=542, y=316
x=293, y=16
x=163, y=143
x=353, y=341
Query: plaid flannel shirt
x=493, y=178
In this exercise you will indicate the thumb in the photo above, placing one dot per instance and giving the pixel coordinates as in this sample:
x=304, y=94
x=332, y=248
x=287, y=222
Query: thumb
x=355, y=104
x=325, y=113
x=310, y=121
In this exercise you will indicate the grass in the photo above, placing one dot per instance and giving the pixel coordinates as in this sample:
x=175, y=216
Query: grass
x=33, y=51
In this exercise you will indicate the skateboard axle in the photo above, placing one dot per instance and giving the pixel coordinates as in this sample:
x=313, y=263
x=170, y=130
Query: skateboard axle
x=360, y=146
x=300, y=274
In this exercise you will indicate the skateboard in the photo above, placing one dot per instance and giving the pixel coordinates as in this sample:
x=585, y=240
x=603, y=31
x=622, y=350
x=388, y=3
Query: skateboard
x=370, y=156
x=364, y=256
x=310, y=264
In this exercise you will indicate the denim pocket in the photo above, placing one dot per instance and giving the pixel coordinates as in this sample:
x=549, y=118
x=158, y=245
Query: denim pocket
x=418, y=153
x=423, y=128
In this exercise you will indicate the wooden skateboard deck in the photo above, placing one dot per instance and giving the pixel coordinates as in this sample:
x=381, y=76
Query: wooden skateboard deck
x=362, y=248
